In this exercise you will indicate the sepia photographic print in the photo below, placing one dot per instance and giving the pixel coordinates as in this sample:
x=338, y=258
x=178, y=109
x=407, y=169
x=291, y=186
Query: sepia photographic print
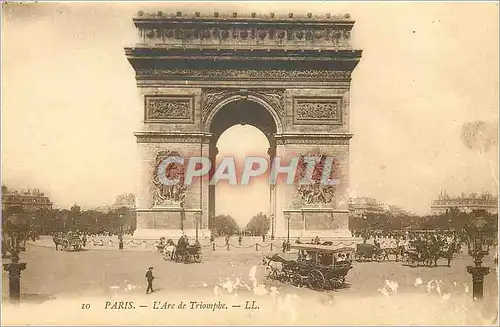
x=244, y=163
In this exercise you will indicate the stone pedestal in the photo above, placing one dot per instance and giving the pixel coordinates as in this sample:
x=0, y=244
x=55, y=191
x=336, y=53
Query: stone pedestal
x=312, y=222
x=14, y=269
x=169, y=222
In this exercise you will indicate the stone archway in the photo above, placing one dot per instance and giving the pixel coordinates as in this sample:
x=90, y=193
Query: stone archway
x=195, y=71
x=245, y=109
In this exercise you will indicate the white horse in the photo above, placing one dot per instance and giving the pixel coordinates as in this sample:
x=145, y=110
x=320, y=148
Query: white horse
x=274, y=268
x=169, y=251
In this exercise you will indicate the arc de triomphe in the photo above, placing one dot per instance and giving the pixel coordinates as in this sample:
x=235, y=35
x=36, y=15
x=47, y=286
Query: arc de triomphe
x=200, y=74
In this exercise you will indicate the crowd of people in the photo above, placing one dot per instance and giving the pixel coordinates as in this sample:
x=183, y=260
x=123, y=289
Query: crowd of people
x=423, y=240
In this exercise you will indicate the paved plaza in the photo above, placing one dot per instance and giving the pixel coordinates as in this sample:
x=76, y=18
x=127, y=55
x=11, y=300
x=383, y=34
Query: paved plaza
x=52, y=276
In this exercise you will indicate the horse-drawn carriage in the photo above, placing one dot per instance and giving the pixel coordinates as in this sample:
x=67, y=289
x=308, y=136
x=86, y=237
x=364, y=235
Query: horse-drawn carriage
x=68, y=241
x=318, y=267
x=427, y=252
x=188, y=254
x=370, y=252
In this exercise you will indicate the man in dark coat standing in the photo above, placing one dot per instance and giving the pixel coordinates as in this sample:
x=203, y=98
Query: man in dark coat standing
x=150, y=277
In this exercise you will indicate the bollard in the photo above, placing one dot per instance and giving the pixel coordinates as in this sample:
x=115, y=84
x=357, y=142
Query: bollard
x=227, y=246
x=271, y=246
x=213, y=246
x=257, y=247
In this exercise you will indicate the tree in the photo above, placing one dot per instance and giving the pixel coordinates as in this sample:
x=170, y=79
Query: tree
x=259, y=224
x=128, y=217
x=225, y=225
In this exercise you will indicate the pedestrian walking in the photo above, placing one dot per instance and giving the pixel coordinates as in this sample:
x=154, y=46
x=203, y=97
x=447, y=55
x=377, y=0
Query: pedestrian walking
x=56, y=239
x=240, y=240
x=149, y=278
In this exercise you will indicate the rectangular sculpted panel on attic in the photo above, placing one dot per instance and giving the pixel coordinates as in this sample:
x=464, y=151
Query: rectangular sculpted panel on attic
x=317, y=110
x=169, y=109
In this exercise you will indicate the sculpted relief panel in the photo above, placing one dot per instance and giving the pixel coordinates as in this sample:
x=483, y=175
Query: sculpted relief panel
x=169, y=109
x=309, y=110
x=161, y=193
x=317, y=192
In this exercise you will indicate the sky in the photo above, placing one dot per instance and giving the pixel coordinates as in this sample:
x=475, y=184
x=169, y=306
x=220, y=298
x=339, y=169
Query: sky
x=70, y=104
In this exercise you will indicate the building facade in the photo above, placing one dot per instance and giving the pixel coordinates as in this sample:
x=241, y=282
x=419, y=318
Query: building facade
x=29, y=200
x=126, y=200
x=363, y=205
x=465, y=203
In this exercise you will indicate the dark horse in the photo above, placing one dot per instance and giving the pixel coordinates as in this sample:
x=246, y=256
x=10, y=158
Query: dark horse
x=420, y=254
x=445, y=251
x=397, y=252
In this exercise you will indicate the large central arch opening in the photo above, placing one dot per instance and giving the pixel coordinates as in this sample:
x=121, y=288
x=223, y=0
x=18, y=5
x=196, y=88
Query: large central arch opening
x=240, y=129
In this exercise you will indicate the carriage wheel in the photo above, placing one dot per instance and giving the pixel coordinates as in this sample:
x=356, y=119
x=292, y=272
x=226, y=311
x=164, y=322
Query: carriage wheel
x=296, y=280
x=283, y=277
x=197, y=258
x=336, y=282
x=316, y=280
x=379, y=257
x=273, y=274
x=65, y=245
x=406, y=260
x=358, y=257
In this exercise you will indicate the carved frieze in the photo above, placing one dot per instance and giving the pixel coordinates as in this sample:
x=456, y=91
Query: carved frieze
x=174, y=109
x=312, y=75
x=211, y=97
x=308, y=140
x=239, y=30
x=317, y=110
x=163, y=193
x=154, y=137
x=314, y=139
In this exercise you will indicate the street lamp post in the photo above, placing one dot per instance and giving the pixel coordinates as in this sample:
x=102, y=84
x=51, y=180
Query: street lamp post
x=14, y=228
x=272, y=227
x=183, y=217
x=34, y=226
x=288, y=232
x=120, y=236
x=478, y=248
x=196, y=225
